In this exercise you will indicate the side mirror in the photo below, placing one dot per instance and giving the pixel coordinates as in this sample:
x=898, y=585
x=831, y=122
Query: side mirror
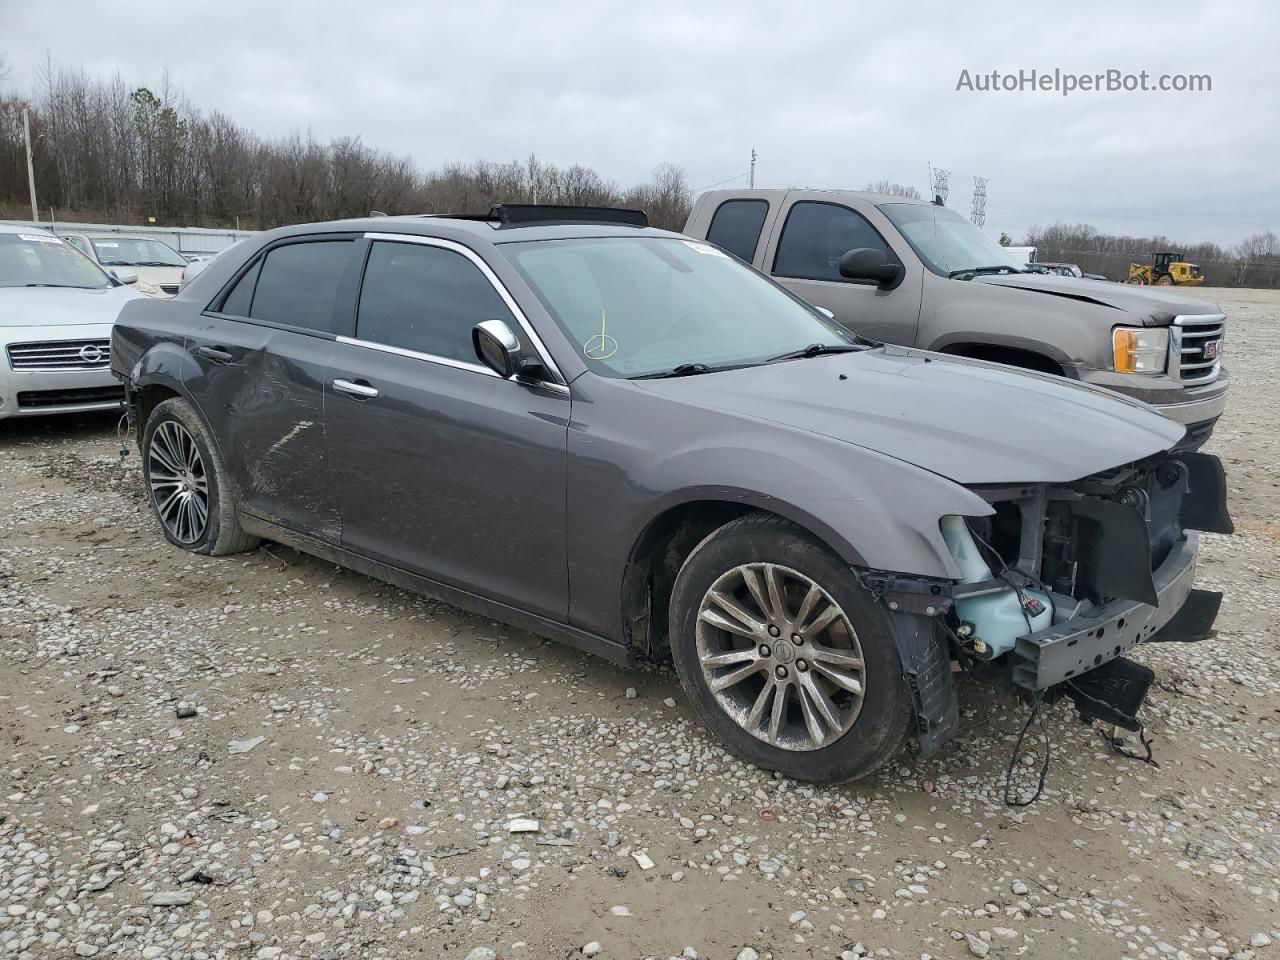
x=125, y=276
x=871, y=265
x=498, y=348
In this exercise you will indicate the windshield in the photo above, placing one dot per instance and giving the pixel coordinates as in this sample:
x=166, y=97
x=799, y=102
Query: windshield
x=43, y=260
x=644, y=306
x=131, y=252
x=946, y=241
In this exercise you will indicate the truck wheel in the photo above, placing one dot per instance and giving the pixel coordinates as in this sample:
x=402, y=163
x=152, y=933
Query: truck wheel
x=187, y=483
x=785, y=656
x=1164, y=280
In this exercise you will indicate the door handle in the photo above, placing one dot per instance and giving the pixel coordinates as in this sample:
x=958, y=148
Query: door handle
x=216, y=354
x=355, y=388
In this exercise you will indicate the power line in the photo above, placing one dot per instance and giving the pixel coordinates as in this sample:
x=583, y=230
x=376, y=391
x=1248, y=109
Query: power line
x=712, y=186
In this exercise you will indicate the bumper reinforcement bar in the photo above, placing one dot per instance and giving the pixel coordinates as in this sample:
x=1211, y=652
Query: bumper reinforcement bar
x=1066, y=650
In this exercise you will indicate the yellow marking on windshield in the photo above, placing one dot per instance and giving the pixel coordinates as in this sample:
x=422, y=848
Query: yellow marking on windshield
x=601, y=346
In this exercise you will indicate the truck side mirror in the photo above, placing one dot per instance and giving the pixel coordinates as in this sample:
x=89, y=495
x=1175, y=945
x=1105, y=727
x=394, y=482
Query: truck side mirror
x=866, y=264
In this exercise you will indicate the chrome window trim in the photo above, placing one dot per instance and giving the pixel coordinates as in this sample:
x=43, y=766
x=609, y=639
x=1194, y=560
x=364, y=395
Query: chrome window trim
x=558, y=384
x=415, y=355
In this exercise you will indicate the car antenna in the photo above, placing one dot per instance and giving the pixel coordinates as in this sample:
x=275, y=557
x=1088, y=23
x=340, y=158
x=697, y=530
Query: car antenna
x=937, y=200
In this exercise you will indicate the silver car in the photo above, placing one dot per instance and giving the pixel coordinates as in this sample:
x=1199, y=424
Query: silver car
x=157, y=266
x=56, y=312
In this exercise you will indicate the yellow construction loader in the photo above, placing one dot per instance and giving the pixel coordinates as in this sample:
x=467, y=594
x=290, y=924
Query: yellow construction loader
x=1169, y=269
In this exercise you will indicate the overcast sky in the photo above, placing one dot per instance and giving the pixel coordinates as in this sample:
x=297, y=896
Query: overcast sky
x=829, y=94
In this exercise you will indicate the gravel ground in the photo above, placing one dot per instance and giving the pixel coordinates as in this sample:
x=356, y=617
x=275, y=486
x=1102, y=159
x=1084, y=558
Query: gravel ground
x=265, y=756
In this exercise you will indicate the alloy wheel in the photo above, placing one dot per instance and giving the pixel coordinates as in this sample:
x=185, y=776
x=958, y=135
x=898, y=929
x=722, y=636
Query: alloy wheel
x=780, y=656
x=178, y=481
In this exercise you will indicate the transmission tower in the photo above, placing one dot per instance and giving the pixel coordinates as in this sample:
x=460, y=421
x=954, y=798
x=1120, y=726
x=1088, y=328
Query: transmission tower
x=978, y=212
x=941, y=183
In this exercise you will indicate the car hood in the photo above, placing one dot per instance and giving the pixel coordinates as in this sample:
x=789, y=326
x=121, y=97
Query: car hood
x=1158, y=305
x=969, y=421
x=44, y=307
x=156, y=275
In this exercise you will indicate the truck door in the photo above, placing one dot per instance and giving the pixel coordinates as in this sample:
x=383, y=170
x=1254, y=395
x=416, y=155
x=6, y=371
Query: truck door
x=803, y=254
x=737, y=225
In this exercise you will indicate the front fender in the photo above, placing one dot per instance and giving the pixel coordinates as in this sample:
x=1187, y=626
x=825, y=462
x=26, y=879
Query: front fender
x=986, y=338
x=1072, y=333
x=872, y=510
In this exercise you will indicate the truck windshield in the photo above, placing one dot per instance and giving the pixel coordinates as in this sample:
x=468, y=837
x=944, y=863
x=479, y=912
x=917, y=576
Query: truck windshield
x=651, y=306
x=947, y=242
x=136, y=252
x=43, y=260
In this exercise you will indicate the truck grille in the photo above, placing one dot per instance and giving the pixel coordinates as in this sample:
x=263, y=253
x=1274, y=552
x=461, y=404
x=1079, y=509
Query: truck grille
x=60, y=355
x=1195, y=345
x=169, y=288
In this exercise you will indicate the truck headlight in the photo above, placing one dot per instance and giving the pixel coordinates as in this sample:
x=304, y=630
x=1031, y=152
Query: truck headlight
x=150, y=289
x=1140, y=349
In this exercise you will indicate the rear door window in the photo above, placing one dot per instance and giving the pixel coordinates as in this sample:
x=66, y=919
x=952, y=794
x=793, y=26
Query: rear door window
x=426, y=299
x=815, y=237
x=736, y=227
x=298, y=285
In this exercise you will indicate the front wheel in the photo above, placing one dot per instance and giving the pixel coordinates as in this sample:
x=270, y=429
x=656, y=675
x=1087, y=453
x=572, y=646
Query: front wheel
x=187, y=483
x=787, y=659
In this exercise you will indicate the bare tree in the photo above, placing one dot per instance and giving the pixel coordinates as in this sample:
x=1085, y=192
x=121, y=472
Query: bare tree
x=1256, y=252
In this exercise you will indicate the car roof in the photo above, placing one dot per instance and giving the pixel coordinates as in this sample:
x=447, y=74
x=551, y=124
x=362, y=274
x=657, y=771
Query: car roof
x=120, y=236
x=462, y=229
x=19, y=228
x=833, y=193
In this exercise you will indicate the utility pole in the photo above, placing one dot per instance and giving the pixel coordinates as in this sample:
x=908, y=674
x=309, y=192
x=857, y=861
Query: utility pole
x=31, y=171
x=751, y=177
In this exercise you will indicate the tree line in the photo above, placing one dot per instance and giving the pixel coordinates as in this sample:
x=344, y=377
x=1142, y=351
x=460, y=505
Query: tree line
x=109, y=152
x=106, y=151
x=1253, y=262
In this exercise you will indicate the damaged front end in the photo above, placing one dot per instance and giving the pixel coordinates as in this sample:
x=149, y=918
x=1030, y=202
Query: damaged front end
x=1059, y=582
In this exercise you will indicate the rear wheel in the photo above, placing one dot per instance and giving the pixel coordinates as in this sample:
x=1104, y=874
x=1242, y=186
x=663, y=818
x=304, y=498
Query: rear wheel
x=187, y=483
x=1164, y=280
x=787, y=659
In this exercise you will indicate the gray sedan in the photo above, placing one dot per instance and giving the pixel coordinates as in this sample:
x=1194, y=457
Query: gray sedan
x=631, y=442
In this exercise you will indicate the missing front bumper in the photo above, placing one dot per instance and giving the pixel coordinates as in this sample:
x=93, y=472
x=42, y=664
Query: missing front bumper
x=1066, y=650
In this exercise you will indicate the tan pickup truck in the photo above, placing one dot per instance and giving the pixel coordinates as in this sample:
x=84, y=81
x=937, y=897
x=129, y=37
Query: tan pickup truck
x=914, y=273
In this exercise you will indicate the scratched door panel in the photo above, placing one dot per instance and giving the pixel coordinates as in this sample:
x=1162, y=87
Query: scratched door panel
x=265, y=402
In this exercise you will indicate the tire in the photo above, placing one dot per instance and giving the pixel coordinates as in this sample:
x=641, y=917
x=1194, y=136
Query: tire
x=201, y=478
x=872, y=726
x=1136, y=281
x=1164, y=280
